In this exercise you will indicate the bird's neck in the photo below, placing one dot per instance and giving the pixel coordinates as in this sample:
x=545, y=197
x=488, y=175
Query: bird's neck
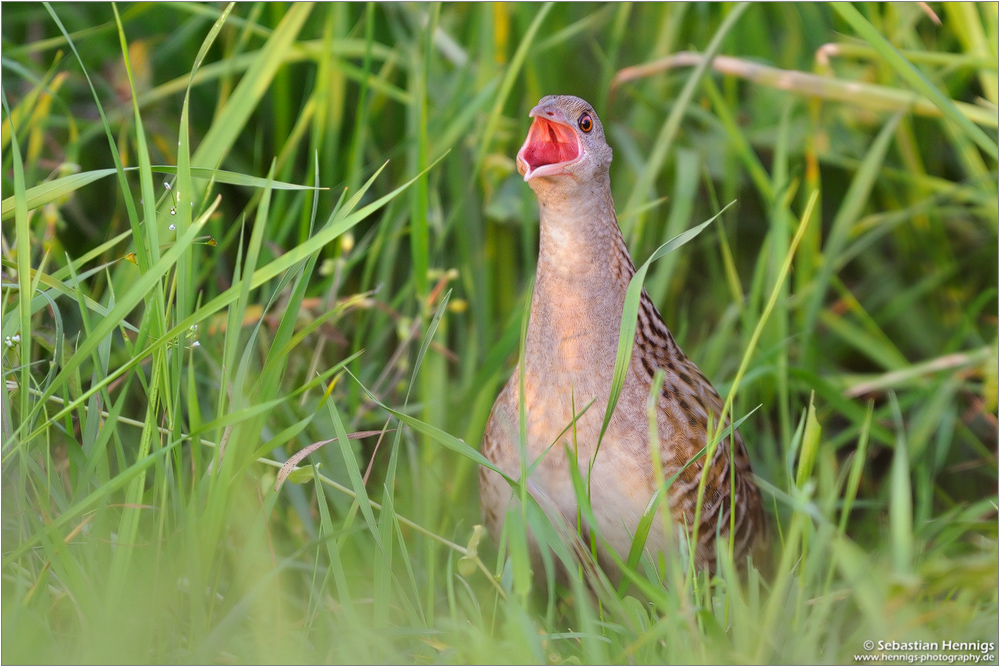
x=580, y=244
x=583, y=272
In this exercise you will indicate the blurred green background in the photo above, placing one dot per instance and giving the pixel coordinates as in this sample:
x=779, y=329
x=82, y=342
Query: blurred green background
x=177, y=348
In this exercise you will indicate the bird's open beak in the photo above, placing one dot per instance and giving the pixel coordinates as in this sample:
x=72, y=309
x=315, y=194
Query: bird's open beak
x=551, y=146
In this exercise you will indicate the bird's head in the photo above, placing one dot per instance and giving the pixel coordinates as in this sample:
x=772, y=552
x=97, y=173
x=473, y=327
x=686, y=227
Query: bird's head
x=566, y=142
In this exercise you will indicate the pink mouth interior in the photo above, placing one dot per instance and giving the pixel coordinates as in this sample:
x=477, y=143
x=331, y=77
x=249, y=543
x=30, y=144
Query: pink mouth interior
x=549, y=143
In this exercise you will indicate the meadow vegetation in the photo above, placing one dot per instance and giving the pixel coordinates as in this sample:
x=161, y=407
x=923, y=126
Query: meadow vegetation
x=233, y=232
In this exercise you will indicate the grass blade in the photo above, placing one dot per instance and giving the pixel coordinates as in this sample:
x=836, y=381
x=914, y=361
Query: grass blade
x=912, y=76
x=630, y=314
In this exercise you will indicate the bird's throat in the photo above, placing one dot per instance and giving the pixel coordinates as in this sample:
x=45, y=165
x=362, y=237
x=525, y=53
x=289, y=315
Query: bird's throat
x=579, y=241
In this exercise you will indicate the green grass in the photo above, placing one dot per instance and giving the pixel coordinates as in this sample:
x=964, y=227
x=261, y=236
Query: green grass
x=346, y=247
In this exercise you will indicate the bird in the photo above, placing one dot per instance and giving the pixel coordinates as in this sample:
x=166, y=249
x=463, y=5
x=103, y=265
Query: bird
x=570, y=346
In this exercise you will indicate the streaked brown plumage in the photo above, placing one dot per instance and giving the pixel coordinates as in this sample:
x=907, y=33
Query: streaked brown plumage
x=583, y=271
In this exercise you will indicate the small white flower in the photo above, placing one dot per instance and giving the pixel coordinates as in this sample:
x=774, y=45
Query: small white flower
x=166, y=185
x=172, y=227
x=196, y=344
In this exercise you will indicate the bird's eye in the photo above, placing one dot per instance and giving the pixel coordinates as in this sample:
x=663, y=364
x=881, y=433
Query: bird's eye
x=586, y=123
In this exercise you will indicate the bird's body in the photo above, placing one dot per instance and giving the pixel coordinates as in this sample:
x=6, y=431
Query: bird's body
x=584, y=269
